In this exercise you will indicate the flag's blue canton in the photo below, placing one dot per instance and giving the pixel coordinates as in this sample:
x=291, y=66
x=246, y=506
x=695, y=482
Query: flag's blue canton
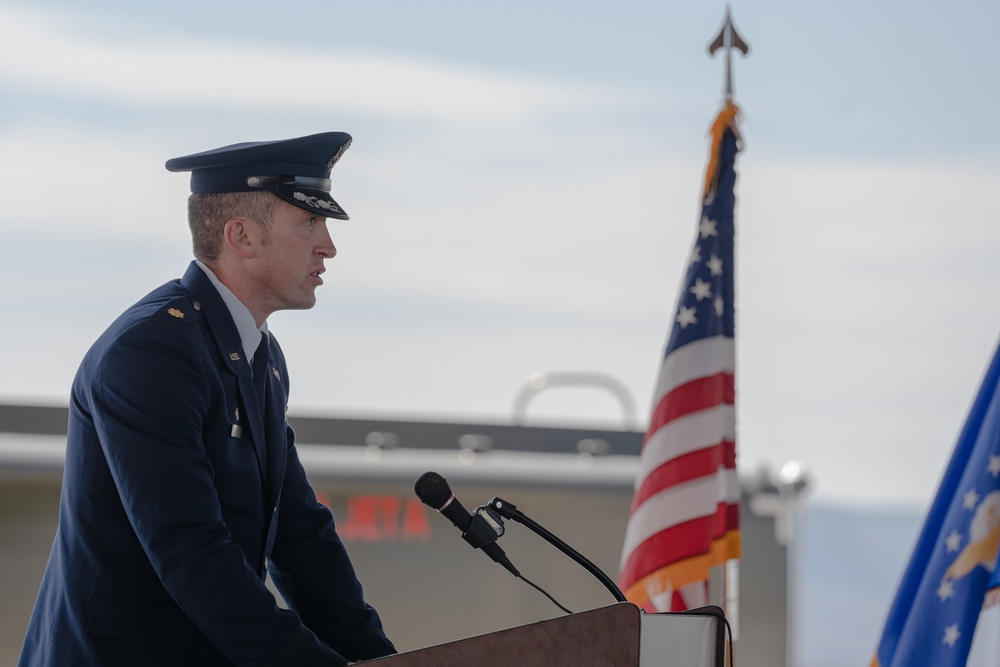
x=934, y=615
x=705, y=307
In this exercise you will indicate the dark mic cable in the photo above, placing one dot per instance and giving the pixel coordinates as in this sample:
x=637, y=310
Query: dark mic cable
x=481, y=530
x=719, y=613
x=510, y=511
x=543, y=592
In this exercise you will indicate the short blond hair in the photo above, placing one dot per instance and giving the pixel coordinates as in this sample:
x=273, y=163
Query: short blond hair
x=209, y=212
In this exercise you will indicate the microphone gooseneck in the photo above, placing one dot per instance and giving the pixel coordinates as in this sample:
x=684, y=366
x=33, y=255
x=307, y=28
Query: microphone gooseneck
x=510, y=511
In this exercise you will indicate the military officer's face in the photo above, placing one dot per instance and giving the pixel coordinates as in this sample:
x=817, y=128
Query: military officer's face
x=290, y=259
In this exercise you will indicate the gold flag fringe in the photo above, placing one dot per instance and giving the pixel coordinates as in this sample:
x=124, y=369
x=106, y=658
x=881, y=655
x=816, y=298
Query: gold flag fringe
x=727, y=119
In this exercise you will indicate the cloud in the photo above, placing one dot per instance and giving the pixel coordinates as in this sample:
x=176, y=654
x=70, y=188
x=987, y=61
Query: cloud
x=41, y=50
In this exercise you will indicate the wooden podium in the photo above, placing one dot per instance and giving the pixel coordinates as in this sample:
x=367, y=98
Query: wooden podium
x=617, y=635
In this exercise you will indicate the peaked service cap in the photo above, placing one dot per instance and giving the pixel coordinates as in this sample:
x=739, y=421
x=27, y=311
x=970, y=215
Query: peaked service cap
x=297, y=170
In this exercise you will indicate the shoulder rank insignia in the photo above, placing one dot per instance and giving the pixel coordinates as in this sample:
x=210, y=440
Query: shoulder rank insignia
x=176, y=313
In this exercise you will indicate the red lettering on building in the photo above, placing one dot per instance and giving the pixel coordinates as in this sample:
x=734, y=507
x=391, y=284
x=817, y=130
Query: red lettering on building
x=416, y=527
x=389, y=514
x=362, y=519
x=373, y=518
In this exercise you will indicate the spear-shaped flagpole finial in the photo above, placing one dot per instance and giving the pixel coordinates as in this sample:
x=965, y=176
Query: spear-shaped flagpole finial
x=729, y=39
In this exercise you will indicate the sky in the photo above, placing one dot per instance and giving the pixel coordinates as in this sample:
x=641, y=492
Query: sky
x=524, y=188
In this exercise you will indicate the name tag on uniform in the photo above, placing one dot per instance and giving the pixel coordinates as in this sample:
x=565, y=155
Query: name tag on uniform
x=236, y=431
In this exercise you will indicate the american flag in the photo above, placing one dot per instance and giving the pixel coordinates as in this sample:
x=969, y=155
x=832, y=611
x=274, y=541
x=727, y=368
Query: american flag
x=685, y=511
x=947, y=608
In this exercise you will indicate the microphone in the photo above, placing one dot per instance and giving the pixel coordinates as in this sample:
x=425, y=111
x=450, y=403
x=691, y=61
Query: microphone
x=432, y=489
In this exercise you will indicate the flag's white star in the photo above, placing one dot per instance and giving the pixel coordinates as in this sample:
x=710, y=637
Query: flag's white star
x=695, y=255
x=994, y=466
x=945, y=590
x=953, y=541
x=714, y=265
x=686, y=316
x=701, y=289
x=970, y=499
x=720, y=304
x=707, y=228
x=951, y=635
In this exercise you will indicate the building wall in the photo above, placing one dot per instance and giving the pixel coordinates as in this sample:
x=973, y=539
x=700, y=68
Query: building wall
x=28, y=510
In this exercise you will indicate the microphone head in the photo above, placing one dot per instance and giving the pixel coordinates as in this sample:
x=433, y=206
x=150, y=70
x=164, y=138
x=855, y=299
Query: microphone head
x=432, y=489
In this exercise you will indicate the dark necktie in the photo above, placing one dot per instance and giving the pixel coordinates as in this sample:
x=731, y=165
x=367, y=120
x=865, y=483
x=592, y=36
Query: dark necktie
x=260, y=359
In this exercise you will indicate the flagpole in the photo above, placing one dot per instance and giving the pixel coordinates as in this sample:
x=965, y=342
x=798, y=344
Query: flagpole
x=727, y=40
x=683, y=530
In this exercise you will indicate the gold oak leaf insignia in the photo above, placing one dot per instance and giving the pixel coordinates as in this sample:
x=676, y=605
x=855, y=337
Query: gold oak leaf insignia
x=176, y=313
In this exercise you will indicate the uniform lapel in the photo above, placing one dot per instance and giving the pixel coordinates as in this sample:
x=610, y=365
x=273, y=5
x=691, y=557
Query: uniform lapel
x=230, y=349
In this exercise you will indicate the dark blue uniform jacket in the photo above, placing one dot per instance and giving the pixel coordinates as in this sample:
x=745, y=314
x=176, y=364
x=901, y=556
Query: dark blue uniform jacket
x=179, y=494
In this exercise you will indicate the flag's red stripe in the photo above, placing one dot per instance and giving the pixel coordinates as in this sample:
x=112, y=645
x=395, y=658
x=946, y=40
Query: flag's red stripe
x=686, y=467
x=678, y=542
x=683, y=540
x=700, y=394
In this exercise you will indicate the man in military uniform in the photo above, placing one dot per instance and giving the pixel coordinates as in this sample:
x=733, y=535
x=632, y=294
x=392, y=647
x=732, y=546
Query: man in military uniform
x=182, y=487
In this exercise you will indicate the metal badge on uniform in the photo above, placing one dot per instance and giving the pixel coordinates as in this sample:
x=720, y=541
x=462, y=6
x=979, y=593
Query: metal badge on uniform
x=235, y=356
x=176, y=313
x=276, y=374
x=236, y=431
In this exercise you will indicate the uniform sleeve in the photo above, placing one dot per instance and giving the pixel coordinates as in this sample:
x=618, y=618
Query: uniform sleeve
x=313, y=572
x=150, y=400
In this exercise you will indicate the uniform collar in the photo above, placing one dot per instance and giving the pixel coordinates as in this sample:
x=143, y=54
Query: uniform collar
x=245, y=325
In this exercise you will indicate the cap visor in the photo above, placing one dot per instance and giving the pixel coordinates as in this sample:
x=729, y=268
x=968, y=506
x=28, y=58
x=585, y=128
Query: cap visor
x=314, y=201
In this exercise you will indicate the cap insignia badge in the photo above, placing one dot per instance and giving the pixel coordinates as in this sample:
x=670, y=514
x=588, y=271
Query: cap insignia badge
x=339, y=154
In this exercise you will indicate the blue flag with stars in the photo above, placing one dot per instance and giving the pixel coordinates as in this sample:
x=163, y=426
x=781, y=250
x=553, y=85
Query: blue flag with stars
x=937, y=607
